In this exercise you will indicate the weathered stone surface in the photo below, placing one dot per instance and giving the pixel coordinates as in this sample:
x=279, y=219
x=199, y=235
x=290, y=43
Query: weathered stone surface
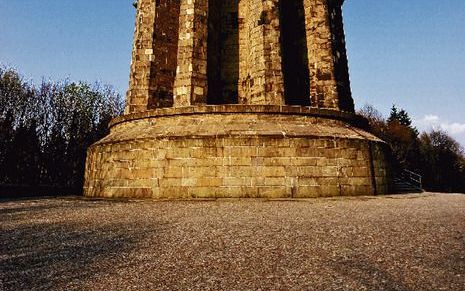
x=190, y=87
x=209, y=106
x=260, y=75
x=239, y=52
x=233, y=154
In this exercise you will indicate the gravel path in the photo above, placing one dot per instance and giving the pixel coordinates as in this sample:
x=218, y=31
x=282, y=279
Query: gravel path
x=410, y=242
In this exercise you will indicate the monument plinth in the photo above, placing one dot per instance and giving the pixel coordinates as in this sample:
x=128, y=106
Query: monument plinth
x=245, y=98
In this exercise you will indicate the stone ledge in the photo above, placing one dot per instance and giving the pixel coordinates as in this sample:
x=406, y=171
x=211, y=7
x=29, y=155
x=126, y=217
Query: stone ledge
x=217, y=124
x=350, y=118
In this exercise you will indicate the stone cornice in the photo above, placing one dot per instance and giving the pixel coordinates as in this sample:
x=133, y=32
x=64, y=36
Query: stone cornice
x=234, y=109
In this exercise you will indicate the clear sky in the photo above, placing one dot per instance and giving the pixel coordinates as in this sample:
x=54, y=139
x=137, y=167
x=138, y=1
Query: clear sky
x=405, y=52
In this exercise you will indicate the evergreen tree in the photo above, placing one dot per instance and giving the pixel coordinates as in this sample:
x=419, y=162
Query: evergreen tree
x=403, y=138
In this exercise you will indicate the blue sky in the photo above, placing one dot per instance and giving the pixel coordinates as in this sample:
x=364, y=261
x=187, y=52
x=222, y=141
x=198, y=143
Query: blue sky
x=408, y=53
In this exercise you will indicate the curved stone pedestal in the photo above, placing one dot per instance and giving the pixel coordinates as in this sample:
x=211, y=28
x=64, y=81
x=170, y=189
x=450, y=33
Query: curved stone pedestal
x=236, y=151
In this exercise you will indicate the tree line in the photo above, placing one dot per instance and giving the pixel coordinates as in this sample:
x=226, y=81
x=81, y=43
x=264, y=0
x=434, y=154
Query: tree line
x=435, y=155
x=46, y=129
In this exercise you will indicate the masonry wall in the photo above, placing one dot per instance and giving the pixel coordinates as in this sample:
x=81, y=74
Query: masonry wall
x=381, y=170
x=260, y=55
x=191, y=83
x=228, y=167
x=260, y=72
x=252, y=52
x=164, y=61
x=235, y=155
x=341, y=67
x=142, y=56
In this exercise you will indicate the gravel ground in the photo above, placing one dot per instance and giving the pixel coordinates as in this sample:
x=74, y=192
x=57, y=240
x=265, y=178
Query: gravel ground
x=408, y=242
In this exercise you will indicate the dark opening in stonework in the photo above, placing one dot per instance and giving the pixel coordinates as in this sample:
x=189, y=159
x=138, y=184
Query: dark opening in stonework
x=341, y=67
x=294, y=53
x=166, y=37
x=223, y=52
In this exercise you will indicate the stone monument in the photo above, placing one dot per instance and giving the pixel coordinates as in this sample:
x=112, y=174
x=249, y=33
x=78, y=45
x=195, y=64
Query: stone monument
x=238, y=98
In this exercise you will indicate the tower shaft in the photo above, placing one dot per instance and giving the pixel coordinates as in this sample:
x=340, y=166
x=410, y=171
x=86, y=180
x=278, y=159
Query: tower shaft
x=250, y=52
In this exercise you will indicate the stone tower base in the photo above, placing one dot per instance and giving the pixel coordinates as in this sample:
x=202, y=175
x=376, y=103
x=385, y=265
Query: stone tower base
x=236, y=151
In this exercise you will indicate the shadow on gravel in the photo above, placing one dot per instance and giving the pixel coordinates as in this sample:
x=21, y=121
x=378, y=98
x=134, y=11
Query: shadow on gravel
x=367, y=274
x=61, y=256
x=4, y=198
x=38, y=205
